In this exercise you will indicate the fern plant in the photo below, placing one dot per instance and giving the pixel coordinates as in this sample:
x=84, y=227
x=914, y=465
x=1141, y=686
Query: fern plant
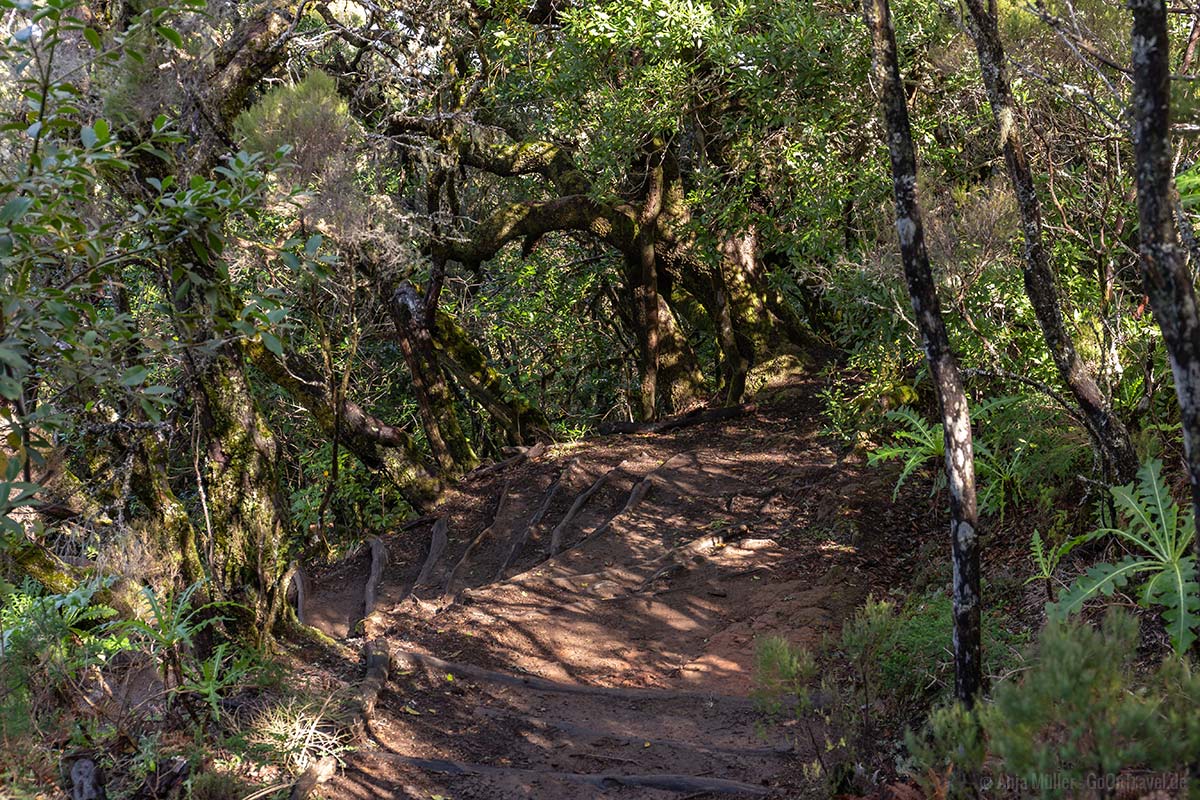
x=916, y=443
x=1160, y=535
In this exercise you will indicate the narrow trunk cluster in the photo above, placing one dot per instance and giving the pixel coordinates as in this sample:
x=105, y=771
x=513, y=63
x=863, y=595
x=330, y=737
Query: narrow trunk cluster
x=960, y=459
x=1106, y=430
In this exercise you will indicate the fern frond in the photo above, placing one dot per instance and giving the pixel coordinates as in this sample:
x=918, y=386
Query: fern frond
x=1161, y=506
x=1038, y=552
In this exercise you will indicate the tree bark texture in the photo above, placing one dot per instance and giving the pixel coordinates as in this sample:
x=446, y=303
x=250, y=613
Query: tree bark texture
x=960, y=461
x=1168, y=280
x=248, y=513
x=1106, y=430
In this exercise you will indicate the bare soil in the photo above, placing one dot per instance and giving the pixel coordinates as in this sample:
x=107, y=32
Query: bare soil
x=623, y=665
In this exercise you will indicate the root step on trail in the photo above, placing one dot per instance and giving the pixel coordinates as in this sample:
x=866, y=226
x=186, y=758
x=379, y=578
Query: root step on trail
x=583, y=625
x=668, y=783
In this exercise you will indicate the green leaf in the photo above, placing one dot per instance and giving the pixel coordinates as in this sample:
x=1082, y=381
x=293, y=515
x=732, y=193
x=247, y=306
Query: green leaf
x=272, y=343
x=170, y=34
x=14, y=209
x=1100, y=579
x=87, y=135
x=93, y=38
x=10, y=388
x=1176, y=590
x=135, y=376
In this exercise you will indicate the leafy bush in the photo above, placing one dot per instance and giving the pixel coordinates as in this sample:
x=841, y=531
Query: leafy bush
x=310, y=117
x=1075, y=723
x=888, y=665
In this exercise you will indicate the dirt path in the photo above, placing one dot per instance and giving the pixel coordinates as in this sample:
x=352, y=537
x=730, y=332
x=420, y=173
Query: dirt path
x=620, y=666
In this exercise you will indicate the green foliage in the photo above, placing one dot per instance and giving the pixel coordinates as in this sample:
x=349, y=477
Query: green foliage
x=947, y=757
x=916, y=443
x=1161, y=534
x=216, y=677
x=782, y=672
x=1045, y=558
x=888, y=666
x=1073, y=714
x=784, y=678
x=309, y=118
x=1019, y=458
x=1067, y=725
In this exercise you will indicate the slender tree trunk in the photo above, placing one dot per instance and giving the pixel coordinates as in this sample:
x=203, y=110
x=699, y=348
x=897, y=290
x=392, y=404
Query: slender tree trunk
x=960, y=461
x=1107, y=431
x=647, y=286
x=1167, y=278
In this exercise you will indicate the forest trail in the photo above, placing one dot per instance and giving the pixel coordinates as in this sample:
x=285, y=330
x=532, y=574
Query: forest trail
x=621, y=665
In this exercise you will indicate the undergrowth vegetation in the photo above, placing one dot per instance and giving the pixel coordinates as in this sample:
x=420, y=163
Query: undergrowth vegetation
x=274, y=278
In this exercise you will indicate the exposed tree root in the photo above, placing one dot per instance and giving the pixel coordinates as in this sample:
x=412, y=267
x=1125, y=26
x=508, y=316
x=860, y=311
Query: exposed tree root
x=378, y=562
x=639, y=492
x=572, y=729
x=405, y=660
x=437, y=545
x=448, y=593
x=526, y=454
x=313, y=777
x=522, y=536
x=695, y=417
x=669, y=783
x=556, y=536
x=297, y=591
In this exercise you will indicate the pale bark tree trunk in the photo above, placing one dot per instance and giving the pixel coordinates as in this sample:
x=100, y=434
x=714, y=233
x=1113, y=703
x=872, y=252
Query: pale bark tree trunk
x=960, y=461
x=1167, y=278
x=1109, y=434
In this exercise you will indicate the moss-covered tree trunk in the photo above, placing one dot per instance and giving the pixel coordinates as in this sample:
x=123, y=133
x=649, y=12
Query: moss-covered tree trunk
x=681, y=382
x=519, y=419
x=242, y=492
x=169, y=517
x=450, y=446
